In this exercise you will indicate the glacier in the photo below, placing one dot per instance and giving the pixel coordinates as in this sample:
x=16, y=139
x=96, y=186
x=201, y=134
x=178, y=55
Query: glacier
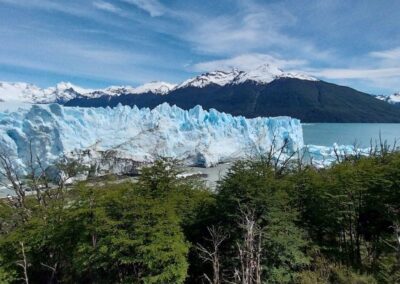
x=324, y=156
x=194, y=137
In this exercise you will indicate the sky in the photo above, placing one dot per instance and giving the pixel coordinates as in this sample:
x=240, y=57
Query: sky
x=97, y=43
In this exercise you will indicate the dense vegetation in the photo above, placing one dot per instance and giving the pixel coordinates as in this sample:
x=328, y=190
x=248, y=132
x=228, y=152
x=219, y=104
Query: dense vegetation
x=263, y=224
x=309, y=101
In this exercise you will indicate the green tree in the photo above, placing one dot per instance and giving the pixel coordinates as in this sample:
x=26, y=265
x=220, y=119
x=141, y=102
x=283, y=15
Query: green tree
x=255, y=185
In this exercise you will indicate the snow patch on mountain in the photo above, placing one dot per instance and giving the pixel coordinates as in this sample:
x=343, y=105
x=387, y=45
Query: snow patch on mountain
x=266, y=73
x=195, y=137
x=29, y=93
x=220, y=78
x=263, y=74
x=392, y=99
x=155, y=87
x=65, y=91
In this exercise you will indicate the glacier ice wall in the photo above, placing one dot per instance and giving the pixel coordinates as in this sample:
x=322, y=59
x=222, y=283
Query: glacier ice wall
x=196, y=136
x=325, y=156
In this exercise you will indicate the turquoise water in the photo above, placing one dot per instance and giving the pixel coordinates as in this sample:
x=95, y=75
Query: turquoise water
x=347, y=133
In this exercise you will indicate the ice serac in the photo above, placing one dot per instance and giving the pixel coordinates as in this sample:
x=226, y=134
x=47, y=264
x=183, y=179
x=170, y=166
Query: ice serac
x=195, y=137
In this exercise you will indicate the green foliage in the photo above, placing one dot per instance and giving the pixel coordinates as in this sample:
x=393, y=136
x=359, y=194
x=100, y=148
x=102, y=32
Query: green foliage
x=335, y=225
x=255, y=185
x=7, y=275
x=117, y=233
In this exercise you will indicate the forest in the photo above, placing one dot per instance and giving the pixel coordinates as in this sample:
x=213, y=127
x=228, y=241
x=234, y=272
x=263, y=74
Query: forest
x=266, y=222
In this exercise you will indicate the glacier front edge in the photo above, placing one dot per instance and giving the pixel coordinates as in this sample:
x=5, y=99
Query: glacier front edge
x=195, y=137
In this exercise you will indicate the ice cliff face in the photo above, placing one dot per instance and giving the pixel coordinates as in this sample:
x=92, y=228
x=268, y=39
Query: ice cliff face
x=324, y=156
x=196, y=137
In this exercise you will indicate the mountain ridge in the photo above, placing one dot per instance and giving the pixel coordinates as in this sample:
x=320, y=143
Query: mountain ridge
x=65, y=91
x=263, y=91
x=310, y=101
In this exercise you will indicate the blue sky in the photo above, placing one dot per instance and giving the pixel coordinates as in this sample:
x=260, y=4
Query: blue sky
x=102, y=42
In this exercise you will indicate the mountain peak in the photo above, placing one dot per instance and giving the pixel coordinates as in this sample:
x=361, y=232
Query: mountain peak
x=155, y=87
x=262, y=74
x=68, y=86
x=219, y=77
x=65, y=91
x=64, y=85
x=266, y=73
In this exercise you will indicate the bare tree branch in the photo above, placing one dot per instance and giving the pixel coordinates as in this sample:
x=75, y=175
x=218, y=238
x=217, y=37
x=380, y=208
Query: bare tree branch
x=24, y=264
x=217, y=236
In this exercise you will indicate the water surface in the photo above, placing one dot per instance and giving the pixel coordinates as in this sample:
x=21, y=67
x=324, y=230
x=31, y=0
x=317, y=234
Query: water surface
x=326, y=134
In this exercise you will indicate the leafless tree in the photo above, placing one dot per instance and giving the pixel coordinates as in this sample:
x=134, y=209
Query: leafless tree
x=10, y=178
x=279, y=157
x=37, y=178
x=250, y=250
x=67, y=168
x=212, y=254
x=24, y=264
x=32, y=176
x=53, y=270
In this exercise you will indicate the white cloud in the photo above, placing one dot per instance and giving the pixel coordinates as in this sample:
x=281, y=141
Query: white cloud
x=233, y=34
x=387, y=54
x=254, y=28
x=348, y=73
x=376, y=69
x=106, y=6
x=76, y=58
x=49, y=5
x=378, y=79
x=153, y=7
x=247, y=62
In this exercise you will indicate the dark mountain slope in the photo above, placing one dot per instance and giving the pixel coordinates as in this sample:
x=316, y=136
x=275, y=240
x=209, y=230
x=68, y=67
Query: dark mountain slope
x=319, y=101
x=310, y=101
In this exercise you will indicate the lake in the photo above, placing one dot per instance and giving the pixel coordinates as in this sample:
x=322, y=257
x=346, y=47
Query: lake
x=347, y=133
x=326, y=134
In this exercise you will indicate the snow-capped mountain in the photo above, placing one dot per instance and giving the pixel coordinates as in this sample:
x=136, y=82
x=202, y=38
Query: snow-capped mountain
x=155, y=87
x=264, y=91
x=392, y=99
x=65, y=91
x=263, y=74
x=220, y=78
x=267, y=73
x=29, y=93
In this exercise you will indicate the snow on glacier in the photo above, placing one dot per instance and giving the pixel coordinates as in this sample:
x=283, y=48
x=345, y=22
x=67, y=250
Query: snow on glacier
x=324, y=156
x=195, y=137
